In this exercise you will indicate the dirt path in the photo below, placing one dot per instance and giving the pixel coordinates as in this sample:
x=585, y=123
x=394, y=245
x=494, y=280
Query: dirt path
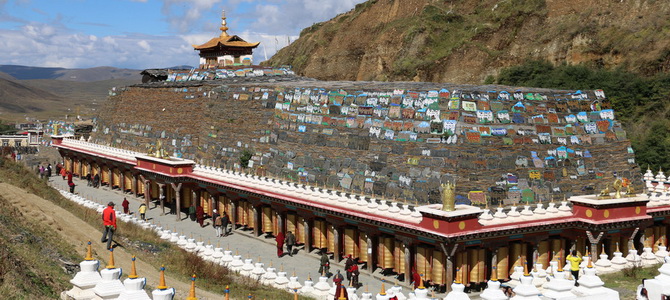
x=78, y=232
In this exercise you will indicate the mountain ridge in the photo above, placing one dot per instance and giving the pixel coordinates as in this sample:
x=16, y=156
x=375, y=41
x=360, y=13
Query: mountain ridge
x=467, y=41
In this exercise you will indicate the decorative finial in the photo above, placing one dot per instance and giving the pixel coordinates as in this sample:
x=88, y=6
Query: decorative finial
x=133, y=270
x=383, y=291
x=448, y=190
x=494, y=274
x=421, y=287
x=110, y=264
x=617, y=247
x=191, y=294
x=458, y=276
x=161, y=282
x=89, y=254
x=525, y=267
x=342, y=292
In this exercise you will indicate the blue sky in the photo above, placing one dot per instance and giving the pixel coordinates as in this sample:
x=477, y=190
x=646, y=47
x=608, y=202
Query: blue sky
x=142, y=34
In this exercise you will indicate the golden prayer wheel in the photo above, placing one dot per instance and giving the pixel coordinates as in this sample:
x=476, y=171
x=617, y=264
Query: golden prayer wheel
x=155, y=190
x=363, y=247
x=648, y=237
x=116, y=177
x=557, y=249
x=140, y=184
x=386, y=245
x=291, y=224
x=300, y=231
x=77, y=164
x=580, y=245
x=319, y=236
x=104, y=177
x=68, y=164
x=423, y=256
x=660, y=235
x=461, y=265
x=84, y=169
x=543, y=253
x=94, y=169
x=399, y=257
x=350, y=245
x=267, y=219
x=249, y=215
x=331, y=239
x=477, y=265
x=517, y=252
x=128, y=181
x=438, y=271
x=186, y=195
x=275, y=223
x=502, y=266
x=204, y=201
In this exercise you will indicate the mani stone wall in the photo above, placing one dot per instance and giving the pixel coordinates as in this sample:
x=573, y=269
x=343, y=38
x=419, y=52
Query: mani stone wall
x=393, y=140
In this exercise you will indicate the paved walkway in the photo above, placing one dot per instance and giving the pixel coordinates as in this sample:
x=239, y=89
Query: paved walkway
x=303, y=264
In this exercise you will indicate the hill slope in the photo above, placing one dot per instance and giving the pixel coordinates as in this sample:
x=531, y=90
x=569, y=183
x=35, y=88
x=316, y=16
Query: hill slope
x=18, y=98
x=81, y=75
x=464, y=41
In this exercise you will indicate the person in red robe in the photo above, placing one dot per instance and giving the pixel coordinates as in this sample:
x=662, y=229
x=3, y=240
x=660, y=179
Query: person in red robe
x=280, y=244
x=416, y=278
x=200, y=215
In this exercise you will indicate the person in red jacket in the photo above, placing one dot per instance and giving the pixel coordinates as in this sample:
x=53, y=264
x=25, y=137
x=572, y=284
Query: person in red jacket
x=109, y=221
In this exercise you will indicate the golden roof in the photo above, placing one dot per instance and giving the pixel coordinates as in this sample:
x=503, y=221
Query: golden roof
x=228, y=41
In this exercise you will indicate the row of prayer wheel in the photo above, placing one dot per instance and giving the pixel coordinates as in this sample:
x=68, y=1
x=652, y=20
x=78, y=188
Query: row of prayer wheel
x=473, y=263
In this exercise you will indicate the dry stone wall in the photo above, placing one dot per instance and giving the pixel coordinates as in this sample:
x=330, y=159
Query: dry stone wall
x=389, y=140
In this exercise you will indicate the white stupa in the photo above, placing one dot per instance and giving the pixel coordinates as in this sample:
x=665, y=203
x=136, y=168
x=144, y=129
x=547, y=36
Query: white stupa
x=237, y=263
x=293, y=283
x=110, y=286
x=134, y=286
x=659, y=285
x=648, y=258
x=539, y=276
x=86, y=279
x=493, y=291
x=618, y=261
x=281, y=282
x=604, y=265
x=382, y=295
x=526, y=290
x=633, y=258
x=226, y=258
x=247, y=267
x=308, y=288
x=559, y=287
x=457, y=289
x=162, y=291
x=420, y=292
x=217, y=255
x=394, y=291
x=592, y=288
x=322, y=287
x=258, y=270
x=515, y=277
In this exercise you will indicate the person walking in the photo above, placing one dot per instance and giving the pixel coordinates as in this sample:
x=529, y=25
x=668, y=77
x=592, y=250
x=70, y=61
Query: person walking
x=347, y=266
x=63, y=173
x=126, y=206
x=290, y=241
x=200, y=215
x=340, y=293
x=109, y=221
x=574, y=260
x=225, y=222
x=191, y=212
x=96, y=181
x=48, y=170
x=216, y=218
x=71, y=185
x=324, y=267
x=280, y=243
x=416, y=278
x=143, y=211
x=353, y=270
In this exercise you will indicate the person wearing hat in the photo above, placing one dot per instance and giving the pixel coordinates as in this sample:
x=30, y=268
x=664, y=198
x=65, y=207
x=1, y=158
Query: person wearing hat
x=109, y=222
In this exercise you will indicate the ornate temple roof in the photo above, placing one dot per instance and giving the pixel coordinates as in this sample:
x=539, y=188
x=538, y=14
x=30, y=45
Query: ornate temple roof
x=226, y=40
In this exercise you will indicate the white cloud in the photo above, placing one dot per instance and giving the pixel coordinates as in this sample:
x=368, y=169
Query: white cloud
x=144, y=45
x=184, y=14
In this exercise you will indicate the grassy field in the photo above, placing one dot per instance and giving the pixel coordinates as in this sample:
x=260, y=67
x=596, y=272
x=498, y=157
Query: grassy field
x=626, y=281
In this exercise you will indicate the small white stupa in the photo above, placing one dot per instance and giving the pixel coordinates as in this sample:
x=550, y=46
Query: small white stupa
x=604, y=265
x=633, y=258
x=162, y=291
x=618, y=261
x=281, y=281
x=420, y=292
x=247, y=267
x=515, y=277
x=322, y=287
x=559, y=287
x=382, y=293
x=237, y=263
x=268, y=278
x=660, y=284
x=526, y=290
x=217, y=255
x=366, y=295
x=457, y=289
x=110, y=286
x=293, y=283
x=86, y=279
x=308, y=288
x=648, y=258
x=394, y=291
x=591, y=287
x=258, y=270
x=226, y=258
x=134, y=286
x=493, y=291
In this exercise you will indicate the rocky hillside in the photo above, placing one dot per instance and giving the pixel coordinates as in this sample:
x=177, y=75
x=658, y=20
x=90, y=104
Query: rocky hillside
x=464, y=41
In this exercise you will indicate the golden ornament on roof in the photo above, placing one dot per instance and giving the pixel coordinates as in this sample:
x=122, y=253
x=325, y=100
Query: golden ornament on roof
x=448, y=190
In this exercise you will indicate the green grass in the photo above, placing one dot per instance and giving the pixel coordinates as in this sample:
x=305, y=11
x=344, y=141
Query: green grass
x=179, y=263
x=627, y=281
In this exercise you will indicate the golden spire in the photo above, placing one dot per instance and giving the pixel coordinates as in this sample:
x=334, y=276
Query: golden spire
x=342, y=291
x=383, y=291
x=295, y=294
x=161, y=281
x=191, y=294
x=525, y=267
x=494, y=274
x=590, y=265
x=133, y=270
x=617, y=247
x=89, y=254
x=110, y=264
x=227, y=292
x=458, y=276
x=421, y=287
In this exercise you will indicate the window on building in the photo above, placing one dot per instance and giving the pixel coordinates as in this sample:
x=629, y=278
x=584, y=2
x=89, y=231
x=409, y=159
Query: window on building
x=17, y=143
x=5, y=143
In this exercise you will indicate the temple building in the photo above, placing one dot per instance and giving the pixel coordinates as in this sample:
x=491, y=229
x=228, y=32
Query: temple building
x=225, y=50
